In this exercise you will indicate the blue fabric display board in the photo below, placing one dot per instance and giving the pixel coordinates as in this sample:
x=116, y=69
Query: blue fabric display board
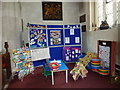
x=56, y=53
x=70, y=54
x=37, y=36
x=55, y=41
x=72, y=34
x=39, y=62
x=72, y=42
x=54, y=26
x=56, y=37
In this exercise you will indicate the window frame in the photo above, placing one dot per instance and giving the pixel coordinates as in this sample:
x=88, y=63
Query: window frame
x=118, y=12
x=115, y=19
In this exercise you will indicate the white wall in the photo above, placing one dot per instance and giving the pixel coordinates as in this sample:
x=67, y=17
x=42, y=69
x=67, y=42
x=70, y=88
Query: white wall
x=0, y=26
x=94, y=36
x=90, y=38
x=119, y=12
x=11, y=26
x=84, y=9
x=0, y=45
x=32, y=13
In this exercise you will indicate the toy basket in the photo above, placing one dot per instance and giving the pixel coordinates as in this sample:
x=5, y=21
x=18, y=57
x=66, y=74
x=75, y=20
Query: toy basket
x=54, y=66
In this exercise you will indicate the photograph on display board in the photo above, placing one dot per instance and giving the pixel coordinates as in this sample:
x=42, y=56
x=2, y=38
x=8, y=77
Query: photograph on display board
x=55, y=37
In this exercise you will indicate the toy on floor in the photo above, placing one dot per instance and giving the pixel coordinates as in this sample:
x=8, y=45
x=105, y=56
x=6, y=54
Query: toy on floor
x=87, y=58
x=95, y=64
x=103, y=71
x=78, y=70
x=103, y=64
x=46, y=70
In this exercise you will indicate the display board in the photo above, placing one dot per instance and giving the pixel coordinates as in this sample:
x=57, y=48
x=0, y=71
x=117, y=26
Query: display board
x=56, y=37
x=54, y=26
x=37, y=36
x=56, y=53
x=70, y=54
x=72, y=34
x=39, y=63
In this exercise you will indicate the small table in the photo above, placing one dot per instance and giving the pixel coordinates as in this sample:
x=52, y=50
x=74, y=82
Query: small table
x=62, y=67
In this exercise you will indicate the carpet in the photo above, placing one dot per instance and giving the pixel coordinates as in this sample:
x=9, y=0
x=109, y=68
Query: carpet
x=38, y=80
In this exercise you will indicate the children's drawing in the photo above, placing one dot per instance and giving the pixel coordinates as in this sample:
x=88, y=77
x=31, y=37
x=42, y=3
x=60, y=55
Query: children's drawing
x=38, y=37
x=36, y=26
x=72, y=53
x=55, y=37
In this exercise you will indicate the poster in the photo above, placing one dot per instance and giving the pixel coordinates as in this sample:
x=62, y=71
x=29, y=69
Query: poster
x=70, y=54
x=37, y=38
x=104, y=55
x=39, y=54
x=55, y=37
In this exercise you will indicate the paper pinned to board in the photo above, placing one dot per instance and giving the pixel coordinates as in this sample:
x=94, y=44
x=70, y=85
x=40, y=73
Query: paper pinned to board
x=67, y=58
x=77, y=40
x=71, y=31
x=67, y=40
x=39, y=54
x=76, y=51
